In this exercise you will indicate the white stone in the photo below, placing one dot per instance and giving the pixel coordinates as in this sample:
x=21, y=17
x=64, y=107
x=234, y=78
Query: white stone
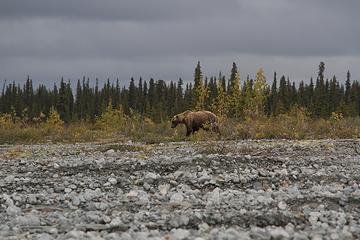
x=204, y=176
x=177, y=174
x=29, y=220
x=132, y=194
x=9, y=179
x=214, y=197
x=164, y=189
x=110, y=152
x=116, y=222
x=176, y=198
x=142, y=196
x=90, y=194
x=74, y=234
x=247, y=157
x=112, y=181
x=279, y=234
x=179, y=234
x=282, y=205
x=44, y=236
x=150, y=177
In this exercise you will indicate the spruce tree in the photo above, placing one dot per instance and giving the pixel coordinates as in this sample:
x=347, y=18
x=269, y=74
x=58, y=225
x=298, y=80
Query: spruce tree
x=301, y=94
x=260, y=93
x=179, y=99
x=132, y=94
x=151, y=96
x=320, y=104
x=200, y=92
x=97, y=101
x=235, y=107
x=220, y=104
x=273, y=97
x=78, y=107
x=283, y=104
x=347, y=87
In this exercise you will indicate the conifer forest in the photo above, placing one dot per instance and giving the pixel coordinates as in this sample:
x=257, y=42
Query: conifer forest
x=158, y=100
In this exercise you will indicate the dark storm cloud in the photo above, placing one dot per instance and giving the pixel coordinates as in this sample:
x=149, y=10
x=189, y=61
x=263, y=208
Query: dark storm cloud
x=164, y=39
x=110, y=10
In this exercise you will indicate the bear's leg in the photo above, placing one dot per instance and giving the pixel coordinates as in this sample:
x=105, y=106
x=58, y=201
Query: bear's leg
x=216, y=129
x=189, y=130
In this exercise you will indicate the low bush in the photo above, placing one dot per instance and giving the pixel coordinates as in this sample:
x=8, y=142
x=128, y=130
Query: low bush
x=115, y=125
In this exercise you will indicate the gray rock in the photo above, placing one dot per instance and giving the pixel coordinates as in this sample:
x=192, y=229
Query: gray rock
x=279, y=234
x=142, y=196
x=112, y=236
x=110, y=152
x=44, y=236
x=257, y=186
x=164, y=189
x=282, y=205
x=74, y=234
x=112, y=181
x=94, y=217
x=180, y=234
x=204, y=176
x=11, y=209
x=90, y=194
x=27, y=220
x=300, y=236
x=53, y=231
x=32, y=199
x=314, y=217
x=259, y=233
x=214, y=197
x=75, y=200
x=9, y=179
x=177, y=174
x=176, y=198
x=116, y=222
x=150, y=177
x=146, y=186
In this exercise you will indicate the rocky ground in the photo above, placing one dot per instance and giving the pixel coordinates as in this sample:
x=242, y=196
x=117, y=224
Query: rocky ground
x=208, y=190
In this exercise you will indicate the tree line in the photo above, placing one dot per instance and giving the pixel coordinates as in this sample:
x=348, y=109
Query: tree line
x=159, y=100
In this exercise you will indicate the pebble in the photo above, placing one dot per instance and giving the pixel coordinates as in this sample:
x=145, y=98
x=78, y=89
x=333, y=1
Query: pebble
x=112, y=181
x=44, y=236
x=282, y=205
x=176, y=198
x=150, y=177
x=110, y=152
x=180, y=234
x=279, y=234
x=164, y=189
x=247, y=157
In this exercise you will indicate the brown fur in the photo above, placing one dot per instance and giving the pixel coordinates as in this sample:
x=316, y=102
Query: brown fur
x=196, y=120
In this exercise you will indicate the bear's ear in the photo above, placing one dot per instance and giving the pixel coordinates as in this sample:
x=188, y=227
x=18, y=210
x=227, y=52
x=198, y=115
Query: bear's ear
x=186, y=112
x=180, y=117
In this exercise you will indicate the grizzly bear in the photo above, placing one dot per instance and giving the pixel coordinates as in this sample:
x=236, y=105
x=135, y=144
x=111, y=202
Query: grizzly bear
x=196, y=120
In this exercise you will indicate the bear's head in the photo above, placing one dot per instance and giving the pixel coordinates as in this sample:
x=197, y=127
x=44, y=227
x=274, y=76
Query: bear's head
x=178, y=118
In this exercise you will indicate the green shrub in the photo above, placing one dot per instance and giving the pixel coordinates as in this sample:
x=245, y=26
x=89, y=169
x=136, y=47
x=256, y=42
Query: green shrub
x=112, y=119
x=54, y=122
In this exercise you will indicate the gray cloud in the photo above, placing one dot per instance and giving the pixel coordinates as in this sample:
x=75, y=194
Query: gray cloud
x=164, y=39
x=111, y=10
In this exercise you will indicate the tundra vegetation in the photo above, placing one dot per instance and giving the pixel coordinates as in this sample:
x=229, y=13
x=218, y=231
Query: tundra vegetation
x=249, y=108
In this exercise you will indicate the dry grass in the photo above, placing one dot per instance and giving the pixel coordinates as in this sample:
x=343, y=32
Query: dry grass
x=116, y=126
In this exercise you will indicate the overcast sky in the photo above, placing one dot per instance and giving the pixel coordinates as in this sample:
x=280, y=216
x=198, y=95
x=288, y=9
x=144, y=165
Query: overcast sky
x=164, y=39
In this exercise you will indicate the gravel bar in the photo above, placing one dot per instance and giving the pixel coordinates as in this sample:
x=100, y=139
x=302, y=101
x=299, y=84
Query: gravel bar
x=251, y=189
